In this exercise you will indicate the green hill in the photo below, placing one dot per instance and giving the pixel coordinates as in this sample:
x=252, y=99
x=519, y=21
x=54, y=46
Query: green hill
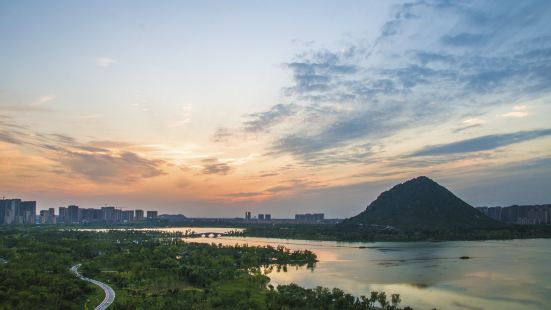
x=422, y=204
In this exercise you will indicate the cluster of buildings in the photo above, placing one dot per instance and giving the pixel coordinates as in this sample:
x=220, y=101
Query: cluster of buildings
x=309, y=217
x=526, y=215
x=260, y=217
x=16, y=211
x=302, y=218
x=108, y=214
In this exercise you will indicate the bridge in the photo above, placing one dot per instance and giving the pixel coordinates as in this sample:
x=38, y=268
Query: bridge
x=206, y=235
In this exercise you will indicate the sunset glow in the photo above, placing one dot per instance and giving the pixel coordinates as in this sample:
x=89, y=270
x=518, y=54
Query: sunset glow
x=216, y=109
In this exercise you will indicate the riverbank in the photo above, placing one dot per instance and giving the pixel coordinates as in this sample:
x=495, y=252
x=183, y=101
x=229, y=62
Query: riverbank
x=332, y=232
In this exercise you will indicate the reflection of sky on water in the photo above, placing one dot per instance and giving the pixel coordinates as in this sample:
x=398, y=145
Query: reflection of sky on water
x=499, y=274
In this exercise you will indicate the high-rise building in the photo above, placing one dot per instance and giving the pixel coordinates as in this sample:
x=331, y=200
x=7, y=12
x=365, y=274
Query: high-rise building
x=62, y=215
x=2, y=211
x=268, y=217
x=108, y=214
x=151, y=215
x=139, y=215
x=261, y=217
x=90, y=215
x=27, y=210
x=47, y=217
x=118, y=215
x=72, y=214
x=248, y=215
x=128, y=216
x=9, y=211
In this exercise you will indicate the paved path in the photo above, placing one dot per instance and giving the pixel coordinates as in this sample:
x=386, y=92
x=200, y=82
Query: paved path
x=109, y=292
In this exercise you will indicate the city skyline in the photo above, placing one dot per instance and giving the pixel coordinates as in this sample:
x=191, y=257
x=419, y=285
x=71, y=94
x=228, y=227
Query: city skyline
x=214, y=109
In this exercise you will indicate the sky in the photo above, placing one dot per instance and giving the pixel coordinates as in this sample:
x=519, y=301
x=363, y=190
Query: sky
x=214, y=108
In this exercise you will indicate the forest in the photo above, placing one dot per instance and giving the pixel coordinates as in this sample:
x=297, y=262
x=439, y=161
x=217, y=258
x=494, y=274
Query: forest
x=156, y=270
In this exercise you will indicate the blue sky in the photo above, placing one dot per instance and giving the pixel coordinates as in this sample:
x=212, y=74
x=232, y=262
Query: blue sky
x=212, y=108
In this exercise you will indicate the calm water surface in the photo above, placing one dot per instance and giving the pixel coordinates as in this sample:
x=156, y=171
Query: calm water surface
x=513, y=274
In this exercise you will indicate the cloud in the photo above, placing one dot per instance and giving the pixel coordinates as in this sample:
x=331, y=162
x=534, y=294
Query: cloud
x=431, y=61
x=474, y=121
x=260, y=122
x=125, y=168
x=464, y=128
x=222, y=135
x=12, y=132
x=482, y=143
x=94, y=161
x=244, y=194
x=106, y=62
x=269, y=174
x=291, y=186
x=41, y=100
x=339, y=134
x=9, y=137
x=470, y=123
x=214, y=166
x=519, y=111
x=517, y=114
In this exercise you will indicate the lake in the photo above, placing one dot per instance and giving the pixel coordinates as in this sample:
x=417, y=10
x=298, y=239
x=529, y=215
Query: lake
x=512, y=274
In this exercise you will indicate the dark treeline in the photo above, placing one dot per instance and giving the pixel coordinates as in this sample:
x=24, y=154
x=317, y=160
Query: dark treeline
x=154, y=270
x=368, y=233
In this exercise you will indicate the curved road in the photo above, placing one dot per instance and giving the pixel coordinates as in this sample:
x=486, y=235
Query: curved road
x=109, y=292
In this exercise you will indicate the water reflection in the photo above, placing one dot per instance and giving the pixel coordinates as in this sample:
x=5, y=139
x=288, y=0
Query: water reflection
x=510, y=274
x=499, y=274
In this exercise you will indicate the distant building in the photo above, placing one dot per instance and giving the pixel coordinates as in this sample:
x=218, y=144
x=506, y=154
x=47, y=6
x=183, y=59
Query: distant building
x=151, y=215
x=128, y=216
x=315, y=217
x=86, y=215
x=118, y=216
x=268, y=217
x=15, y=211
x=47, y=217
x=108, y=214
x=248, y=215
x=72, y=214
x=139, y=215
x=62, y=217
x=27, y=210
x=524, y=215
x=261, y=217
x=9, y=208
x=90, y=215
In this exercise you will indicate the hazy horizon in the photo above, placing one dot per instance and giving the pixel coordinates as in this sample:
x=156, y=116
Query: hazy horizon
x=215, y=108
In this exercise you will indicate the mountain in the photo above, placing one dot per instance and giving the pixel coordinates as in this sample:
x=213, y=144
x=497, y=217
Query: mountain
x=421, y=203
